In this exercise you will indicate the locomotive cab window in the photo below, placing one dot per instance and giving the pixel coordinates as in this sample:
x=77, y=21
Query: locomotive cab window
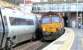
x=55, y=19
x=45, y=20
x=20, y=21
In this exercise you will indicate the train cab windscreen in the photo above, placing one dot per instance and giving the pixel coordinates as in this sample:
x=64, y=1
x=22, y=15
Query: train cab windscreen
x=55, y=19
x=46, y=20
x=50, y=19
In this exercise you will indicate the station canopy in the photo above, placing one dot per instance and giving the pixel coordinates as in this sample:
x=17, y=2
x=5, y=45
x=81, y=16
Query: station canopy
x=63, y=7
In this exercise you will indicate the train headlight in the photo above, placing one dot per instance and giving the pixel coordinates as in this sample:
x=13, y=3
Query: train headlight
x=44, y=29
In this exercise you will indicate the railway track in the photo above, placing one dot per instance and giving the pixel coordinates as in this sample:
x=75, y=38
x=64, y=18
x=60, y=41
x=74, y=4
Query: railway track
x=32, y=45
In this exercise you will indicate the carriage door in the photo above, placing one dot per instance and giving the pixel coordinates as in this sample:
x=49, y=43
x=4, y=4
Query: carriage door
x=1, y=30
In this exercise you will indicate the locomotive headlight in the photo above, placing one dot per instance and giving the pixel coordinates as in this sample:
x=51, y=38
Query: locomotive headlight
x=44, y=29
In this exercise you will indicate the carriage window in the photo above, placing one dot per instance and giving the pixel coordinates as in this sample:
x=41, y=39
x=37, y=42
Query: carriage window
x=20, y=21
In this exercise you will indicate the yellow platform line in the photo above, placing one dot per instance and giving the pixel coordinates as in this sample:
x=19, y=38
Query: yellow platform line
x=63, y=43
x=68, y=41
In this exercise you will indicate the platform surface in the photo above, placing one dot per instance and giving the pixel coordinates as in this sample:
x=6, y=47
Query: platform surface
x=64, y=42
x=78, y=41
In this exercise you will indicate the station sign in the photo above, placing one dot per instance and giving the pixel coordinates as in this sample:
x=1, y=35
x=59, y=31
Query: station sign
x=65, y=7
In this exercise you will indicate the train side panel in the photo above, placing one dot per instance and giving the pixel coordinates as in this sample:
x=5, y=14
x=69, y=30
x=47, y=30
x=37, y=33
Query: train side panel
x=20, y=26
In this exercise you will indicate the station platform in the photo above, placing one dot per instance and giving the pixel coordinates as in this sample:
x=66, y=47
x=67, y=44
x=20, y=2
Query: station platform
x=64, y=42
x=78, y=41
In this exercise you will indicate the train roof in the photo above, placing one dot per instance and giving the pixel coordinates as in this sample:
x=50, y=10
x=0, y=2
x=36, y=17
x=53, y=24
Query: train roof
x=15, y=13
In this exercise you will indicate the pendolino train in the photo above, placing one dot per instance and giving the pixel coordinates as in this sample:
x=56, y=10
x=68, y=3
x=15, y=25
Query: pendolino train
x=16, y=27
